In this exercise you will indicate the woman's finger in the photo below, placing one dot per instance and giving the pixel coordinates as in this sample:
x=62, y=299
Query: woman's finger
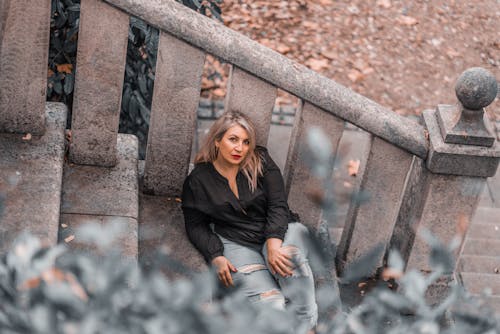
x=287, y=263
x=278, y=270
x=229, y=278
x=284, y=269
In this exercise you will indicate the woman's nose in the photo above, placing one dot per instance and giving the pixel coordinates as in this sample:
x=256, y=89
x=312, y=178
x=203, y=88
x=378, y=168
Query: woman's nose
x=238, y=147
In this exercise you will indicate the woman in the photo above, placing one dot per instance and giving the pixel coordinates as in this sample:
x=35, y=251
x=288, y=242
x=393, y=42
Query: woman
x=254, y=240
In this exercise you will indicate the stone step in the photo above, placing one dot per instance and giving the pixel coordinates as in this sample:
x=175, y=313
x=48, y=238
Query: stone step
x=103, y=195
x=494, y=303
x=486, y=215
x=161, y=229
x=30, y=180
x=476, y=283
x=481, y=247
x=484, y=231
x=479, y=264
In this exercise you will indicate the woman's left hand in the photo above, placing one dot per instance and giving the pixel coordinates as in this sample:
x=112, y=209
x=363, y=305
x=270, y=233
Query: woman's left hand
x=279, y=261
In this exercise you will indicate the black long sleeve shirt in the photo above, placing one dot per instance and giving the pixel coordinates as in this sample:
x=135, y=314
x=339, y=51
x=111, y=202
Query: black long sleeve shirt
x=249, y=220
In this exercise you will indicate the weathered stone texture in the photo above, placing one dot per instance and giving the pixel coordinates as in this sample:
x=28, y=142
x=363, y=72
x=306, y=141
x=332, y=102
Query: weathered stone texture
x=478, y=264
x=30, y=180
x=411, y=208
x=254, y=97
x=458, y=159
x=125, y=241
x=24, y=32
x=102, y=46
x=162, y=229
x=300, y=183
x=354, y=145
x=384, y=182
x=476, y=283
x=173, y=116
x=93, y=190
x=448, y=200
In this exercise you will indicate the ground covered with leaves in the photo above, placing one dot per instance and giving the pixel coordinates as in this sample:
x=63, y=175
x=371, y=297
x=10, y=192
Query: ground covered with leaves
x=405, y=55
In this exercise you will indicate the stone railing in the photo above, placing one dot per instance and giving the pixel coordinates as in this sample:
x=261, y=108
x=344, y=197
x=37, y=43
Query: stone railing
x=417, y=176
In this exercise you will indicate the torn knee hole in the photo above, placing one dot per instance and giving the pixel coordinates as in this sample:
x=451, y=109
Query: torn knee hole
x=269, y=294
x=291, y=250
x=251, y=268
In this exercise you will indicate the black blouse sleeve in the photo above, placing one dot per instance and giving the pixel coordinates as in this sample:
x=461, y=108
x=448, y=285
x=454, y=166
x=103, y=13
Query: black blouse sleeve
x=277, y=206
x=197, y=224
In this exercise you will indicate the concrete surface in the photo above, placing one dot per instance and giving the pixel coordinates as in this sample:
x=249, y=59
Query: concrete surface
x=30, y=180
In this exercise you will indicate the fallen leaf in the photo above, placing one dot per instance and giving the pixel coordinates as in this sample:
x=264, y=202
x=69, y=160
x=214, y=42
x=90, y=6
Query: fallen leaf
x=178, y=200
x=64, y=68
x=384, y=3
x=362, y=285
x=282, y=48
x=353, y=167
x=355, y=75
x=391, y=273
x=330, y=54
x=317, y=64
x=219, y=92
x=407, y=20
x=27, y=136
x=69, y=238
x=64, y=225
x=347, y=184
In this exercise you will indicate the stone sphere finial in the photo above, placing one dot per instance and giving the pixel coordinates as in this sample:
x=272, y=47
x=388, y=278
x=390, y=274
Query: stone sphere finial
x=476, y=88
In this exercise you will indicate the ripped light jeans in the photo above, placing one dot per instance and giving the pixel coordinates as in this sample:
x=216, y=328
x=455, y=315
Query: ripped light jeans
x=261, y=286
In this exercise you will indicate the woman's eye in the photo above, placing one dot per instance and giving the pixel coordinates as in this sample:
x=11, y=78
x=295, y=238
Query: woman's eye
x=246, y=142
x=232, y=139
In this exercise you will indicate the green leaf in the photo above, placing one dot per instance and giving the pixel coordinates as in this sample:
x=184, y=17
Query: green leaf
x=69, y=82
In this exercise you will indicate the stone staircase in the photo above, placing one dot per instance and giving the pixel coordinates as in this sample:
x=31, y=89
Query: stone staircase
x=64, y=196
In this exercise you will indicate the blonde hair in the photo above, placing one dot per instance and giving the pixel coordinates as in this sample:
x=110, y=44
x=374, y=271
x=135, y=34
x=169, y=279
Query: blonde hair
x=251, y=166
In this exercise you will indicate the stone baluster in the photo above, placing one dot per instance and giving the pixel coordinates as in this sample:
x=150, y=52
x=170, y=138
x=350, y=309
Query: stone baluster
x=102, y=50
x=24, y=41
x=463, y=153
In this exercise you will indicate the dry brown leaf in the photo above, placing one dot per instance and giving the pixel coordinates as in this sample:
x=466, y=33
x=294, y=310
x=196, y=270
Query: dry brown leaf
x=69, y=238
x=64, y=68
x=353, y=167
x=362, y=285
x=407, y=20
x=178, y=200
x=317, y=64
x=282, y=48
x=391, y=273
x=64, y=225
x=355, y=75
x=332, y=55
x=384, y=3
x=219, y=92
x=27, y=136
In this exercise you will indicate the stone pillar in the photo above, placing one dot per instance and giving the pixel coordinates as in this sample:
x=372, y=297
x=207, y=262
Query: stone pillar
x=24, y=44
x=463, y=153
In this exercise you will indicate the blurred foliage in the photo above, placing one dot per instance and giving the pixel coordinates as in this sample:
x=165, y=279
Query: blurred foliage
x=140, y=66
x=57, y=290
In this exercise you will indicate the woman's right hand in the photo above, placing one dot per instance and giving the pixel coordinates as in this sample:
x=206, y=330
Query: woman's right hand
x=224, y=268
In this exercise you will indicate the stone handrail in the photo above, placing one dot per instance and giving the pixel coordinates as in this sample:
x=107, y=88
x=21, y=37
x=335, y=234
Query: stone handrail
x=233, y=47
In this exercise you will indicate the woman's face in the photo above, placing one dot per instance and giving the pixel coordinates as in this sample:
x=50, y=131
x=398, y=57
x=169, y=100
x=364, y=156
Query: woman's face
x=234, y=146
